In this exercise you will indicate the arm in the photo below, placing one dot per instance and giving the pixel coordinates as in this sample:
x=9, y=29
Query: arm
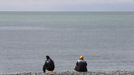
x=44, y=68
x=77, y=63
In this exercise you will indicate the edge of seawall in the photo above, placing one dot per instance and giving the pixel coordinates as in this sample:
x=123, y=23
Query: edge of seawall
x=79, y=73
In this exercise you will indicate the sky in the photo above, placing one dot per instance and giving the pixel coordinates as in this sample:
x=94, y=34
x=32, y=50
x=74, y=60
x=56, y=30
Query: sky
x=66, y=5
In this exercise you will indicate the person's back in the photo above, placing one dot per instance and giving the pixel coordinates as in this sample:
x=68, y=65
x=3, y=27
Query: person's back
x=81, y=65
x=49, y=64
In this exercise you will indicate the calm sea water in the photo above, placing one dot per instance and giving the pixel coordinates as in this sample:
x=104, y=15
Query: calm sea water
x=106, y=39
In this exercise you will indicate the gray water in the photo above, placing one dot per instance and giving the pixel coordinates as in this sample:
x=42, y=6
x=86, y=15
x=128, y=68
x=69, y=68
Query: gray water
x=106, y=39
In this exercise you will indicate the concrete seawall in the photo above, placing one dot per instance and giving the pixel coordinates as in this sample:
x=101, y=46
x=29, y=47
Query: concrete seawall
x=77, y=73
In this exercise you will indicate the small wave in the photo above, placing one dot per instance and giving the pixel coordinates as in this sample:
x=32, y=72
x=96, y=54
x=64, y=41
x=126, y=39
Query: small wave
x=21, y=28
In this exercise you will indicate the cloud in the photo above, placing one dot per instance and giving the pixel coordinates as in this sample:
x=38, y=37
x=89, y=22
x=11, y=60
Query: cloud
x=63, y=4
x=50, y=2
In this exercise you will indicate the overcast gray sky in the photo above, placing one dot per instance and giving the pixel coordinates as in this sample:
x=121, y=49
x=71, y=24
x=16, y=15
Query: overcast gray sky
x=66, y=5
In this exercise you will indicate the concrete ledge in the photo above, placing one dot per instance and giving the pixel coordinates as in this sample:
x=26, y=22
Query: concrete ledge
x=79, y=73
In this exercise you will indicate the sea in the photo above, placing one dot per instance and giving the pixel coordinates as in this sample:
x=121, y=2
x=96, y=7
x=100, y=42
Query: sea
x=105, y=39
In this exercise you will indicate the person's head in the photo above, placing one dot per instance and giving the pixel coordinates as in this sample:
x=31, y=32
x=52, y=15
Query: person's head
x=47, y=57
x=81, y=57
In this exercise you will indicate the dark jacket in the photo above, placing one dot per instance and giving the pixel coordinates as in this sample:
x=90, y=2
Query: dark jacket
x=49, y=65
x=81, y=66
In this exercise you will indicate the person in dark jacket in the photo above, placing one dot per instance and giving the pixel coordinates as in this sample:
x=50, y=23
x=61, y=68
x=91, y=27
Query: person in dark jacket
x=81, y=65
x=49, y=65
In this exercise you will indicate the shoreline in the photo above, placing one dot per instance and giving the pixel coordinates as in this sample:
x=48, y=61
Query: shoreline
x=118, y=72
